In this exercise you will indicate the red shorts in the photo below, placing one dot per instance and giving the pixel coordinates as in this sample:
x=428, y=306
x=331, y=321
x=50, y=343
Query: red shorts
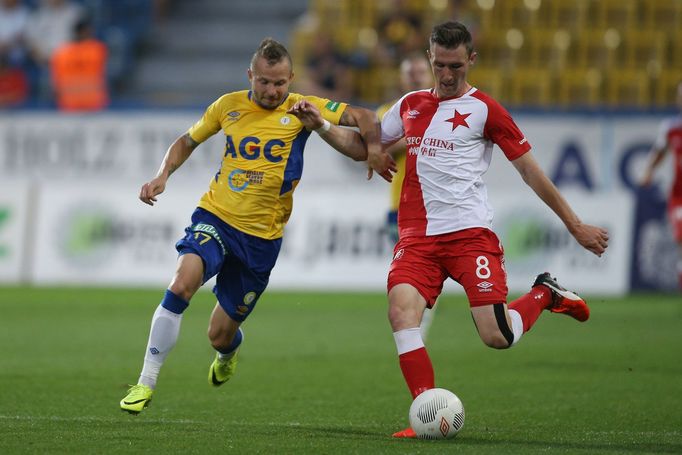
x=472, y=257
x=675, y=217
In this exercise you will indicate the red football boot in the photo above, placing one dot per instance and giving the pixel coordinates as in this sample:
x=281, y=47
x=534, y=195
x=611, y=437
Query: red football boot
x=406, y=433
x=563, y=301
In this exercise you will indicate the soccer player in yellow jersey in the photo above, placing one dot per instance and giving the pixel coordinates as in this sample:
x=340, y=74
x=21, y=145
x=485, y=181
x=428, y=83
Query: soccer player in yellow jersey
x=236, y=230
x=415, y=74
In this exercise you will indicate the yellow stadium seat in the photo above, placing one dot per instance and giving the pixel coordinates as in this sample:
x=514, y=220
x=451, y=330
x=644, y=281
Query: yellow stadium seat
x=489, y=81
x=530, y=88
x=580, y=88
x=546, y=48
x=665, y=91
x=596, y=49
x=642, y=48
x=619, y=14
x=628, y=88
x=569, y=14
x=664, y=15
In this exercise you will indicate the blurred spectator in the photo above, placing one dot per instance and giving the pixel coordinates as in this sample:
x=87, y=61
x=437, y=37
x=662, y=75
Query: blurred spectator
x=79, y=72
x=50, y=26
x=13, y=20
x=400, y=33
x=327, y=74
x=13, y=84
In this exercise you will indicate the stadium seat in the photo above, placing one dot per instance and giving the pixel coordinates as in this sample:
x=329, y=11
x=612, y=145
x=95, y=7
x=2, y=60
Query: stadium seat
x=596, y=49
x=663, y=15
x=569, y=14
x=665, y=89
x=528, y=87
x=628, y=89
x=641, y=48
x=620, y=14
x=547, y=48
x=580, y=88
x=489, y=81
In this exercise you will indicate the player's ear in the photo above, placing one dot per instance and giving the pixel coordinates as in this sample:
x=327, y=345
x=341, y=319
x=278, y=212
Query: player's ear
x=472, y=58
x=249, y=73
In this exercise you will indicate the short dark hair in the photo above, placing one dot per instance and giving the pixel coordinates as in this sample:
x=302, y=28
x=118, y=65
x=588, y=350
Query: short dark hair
x=272, y=51
x=451, y=35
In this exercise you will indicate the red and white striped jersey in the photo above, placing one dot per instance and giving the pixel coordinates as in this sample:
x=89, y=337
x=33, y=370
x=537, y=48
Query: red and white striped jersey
x=449, y=148
x=670, y=135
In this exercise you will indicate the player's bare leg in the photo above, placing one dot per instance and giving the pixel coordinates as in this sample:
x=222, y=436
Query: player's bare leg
x=164, y=331
x=405, y=309
x=501, y=326
x=226, y=337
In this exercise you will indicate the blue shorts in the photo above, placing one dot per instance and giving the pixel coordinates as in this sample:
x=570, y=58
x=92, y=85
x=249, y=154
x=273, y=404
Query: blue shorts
x=242, y=262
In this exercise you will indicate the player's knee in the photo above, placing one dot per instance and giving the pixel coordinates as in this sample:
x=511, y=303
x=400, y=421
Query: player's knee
x=183, y=289
x=401, y=317
x=495, y=340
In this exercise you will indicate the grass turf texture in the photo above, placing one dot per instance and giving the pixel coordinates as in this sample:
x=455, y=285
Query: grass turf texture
x=318, y=374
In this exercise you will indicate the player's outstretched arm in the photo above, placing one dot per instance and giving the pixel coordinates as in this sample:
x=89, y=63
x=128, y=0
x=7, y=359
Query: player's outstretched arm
x=370, y=130
x=176, y=154
x=345, y=140
x=592, y=238
x=657, y=155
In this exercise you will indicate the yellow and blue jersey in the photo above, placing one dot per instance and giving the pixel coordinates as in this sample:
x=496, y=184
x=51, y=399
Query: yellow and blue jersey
x=262, y=162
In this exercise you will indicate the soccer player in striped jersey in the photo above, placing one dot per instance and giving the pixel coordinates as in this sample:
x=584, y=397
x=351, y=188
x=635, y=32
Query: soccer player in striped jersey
x=444, y=219
x=670, y=139
x=236, y=231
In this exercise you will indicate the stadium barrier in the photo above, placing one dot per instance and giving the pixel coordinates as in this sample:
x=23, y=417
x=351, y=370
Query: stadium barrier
x=69, y=212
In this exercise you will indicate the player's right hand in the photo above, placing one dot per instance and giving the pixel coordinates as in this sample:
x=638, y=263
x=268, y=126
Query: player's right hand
x=151, y=189
x=592, y=238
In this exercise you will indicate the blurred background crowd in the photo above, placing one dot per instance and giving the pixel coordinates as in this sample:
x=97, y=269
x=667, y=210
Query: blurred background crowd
x=559, y=54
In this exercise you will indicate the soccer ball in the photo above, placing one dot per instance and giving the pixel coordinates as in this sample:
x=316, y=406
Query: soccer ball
x=436, y=414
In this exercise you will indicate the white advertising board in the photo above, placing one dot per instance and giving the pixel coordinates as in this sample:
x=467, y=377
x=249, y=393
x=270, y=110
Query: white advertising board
x=93, y=234
x=14, y=230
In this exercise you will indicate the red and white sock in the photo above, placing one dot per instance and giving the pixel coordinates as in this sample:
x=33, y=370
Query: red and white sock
x=414, y=361
x=529, y=306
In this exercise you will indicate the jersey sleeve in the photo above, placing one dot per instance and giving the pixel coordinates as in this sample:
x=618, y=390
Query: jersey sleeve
x=661, y=141
x=209, y=123
x=392, y=124
x=501, y=129
x=330, y=110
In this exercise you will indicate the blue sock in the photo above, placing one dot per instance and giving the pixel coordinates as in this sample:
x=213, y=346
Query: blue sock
x=173, y=303
x=236, y=341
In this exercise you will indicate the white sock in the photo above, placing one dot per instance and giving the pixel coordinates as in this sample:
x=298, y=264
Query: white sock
x=407, y=340
x=162, y=337
x=516, y=325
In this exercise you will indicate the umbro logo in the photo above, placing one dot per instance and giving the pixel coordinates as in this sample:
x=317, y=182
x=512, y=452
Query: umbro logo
x=485, y=286
x=523, y=141
x=154, y=351
x=398, y=254
x=412, y=114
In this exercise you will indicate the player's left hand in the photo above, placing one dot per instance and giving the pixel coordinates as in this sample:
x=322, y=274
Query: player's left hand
x=592, y=238
x=380, y=161
x=307, y=113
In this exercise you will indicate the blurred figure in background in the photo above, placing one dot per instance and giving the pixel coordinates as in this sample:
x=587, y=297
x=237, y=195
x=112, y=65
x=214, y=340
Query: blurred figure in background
x=13, y=85
x=237, y=228
x=78, y=71
x=400, y=33
x=415, y=74
x=326, y=71
x=49, y=27
x=13, y=20
x=670, y=139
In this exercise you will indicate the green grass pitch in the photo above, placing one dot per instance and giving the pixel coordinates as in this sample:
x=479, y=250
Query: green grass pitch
x=318, y=374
